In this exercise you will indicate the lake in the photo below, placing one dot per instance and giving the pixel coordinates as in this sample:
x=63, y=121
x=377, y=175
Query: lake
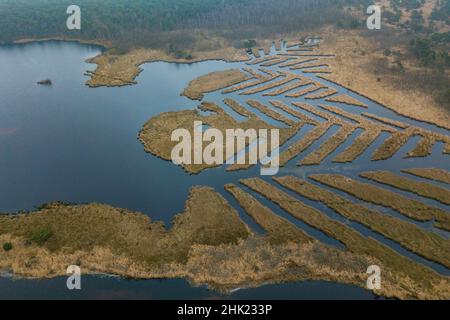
x=68, y=142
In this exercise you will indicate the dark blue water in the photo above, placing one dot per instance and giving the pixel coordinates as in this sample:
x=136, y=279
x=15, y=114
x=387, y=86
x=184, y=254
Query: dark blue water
x=101, y=287
x=71, y=143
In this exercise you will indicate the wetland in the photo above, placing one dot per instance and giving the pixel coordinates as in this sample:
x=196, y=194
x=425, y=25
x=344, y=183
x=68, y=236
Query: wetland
x=87, y=164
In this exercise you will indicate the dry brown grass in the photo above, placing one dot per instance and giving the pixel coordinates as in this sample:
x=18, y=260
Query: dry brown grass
x=121, y=70
x=314, y=87
x=430, y=173
x=299, y=83
x=392, y=144
x=83, y=227
x=398, y=138
x=318, y=71
x=387, y=121
x=350, y=68
x=409, y=207
x=311, y=65
x=270, y=112
x=262, y=60
x=346, y=99
x=317, y=156
x=276, y=61
x=304, y=118
x=424, y=189
x=321, y=94
x=426, y=244
x=354, y=70
x=279, y=230
x=423, y=148
x=359, y=145
x=402, y=277
x=156, y=133
x=238, y=108
x=297, y=61
x=208, y=244
x=301, y=145
x=286, y=79
x=212, y=82
x=260, y=79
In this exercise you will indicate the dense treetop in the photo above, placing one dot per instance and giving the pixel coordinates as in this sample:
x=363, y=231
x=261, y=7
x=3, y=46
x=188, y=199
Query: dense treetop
x=138, y=21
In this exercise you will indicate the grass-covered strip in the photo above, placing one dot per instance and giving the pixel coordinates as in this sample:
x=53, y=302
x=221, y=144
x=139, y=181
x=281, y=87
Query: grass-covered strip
x=402, y=276
x=426, y=244
x=409, y=207
x=424, y=189
x=430, y=173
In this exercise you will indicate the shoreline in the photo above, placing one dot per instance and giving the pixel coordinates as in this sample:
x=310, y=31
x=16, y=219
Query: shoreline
x=49, y=262
x=192, y=286
x=127, y=67
x=105, y=45
x=188, y=259
x=229, y=55
x=105, y=240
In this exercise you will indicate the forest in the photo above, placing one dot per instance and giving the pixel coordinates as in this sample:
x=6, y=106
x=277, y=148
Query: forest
x=145, y=22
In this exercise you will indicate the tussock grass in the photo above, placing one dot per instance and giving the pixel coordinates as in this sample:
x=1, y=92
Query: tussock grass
x=409, y=207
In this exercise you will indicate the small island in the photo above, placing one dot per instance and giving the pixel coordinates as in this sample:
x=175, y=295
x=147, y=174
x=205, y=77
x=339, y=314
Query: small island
x=46, y=82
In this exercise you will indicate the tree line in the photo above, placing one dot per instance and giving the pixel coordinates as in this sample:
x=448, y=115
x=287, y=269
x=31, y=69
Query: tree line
x=145, y=22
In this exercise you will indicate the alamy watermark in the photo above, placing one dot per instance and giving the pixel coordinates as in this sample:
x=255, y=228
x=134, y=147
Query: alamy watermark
x=230, y=149
x=374, y=20
x=74, y=20
x=374, y=279
x=74, y=280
